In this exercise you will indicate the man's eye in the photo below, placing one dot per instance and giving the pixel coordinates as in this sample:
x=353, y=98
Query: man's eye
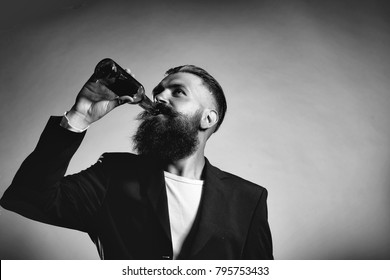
x=178, y=92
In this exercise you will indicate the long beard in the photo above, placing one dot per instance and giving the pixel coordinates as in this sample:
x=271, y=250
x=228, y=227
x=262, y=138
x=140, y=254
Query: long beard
x=169, y=136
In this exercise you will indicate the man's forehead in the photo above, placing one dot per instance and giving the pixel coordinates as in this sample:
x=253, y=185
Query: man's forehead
x=184, y=78
x=181, y=79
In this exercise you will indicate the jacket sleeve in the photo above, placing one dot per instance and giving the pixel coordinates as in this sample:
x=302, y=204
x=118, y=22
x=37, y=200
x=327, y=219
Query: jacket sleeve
x=259, y=241
x=40, y=191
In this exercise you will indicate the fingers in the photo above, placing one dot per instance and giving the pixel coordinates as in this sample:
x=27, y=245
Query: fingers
x=96, y=91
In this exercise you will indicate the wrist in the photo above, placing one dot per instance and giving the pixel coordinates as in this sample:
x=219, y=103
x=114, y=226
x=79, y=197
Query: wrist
x=76, y=121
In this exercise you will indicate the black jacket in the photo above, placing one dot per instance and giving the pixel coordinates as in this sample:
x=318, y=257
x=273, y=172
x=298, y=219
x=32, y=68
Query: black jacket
x=121, y=203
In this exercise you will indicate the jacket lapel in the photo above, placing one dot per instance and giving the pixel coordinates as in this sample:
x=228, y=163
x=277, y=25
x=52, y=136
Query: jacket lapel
x=211, y=215
x=154, y=183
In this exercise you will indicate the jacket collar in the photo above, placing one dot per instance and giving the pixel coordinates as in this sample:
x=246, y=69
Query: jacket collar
x=210, y=217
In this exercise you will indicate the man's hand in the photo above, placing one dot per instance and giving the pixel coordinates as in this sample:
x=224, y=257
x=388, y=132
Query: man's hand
x=93, y=102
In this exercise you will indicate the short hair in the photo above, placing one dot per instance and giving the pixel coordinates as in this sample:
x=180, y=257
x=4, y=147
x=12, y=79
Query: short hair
x=213, y=86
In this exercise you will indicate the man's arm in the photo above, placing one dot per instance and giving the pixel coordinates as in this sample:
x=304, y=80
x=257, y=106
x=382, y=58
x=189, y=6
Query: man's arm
x=39, y=189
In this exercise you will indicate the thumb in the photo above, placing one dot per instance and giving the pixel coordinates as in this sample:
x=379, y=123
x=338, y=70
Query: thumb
x=125, y=99
x=120, y=100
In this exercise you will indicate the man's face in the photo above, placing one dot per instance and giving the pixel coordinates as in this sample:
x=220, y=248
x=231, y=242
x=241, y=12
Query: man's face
x=184, y=92
x=171, y=133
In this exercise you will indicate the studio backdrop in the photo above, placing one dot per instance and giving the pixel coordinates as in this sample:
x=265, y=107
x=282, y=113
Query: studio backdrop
x=308, y=91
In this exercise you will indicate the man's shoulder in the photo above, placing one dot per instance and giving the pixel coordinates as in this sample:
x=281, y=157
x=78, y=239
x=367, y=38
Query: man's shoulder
x=237, y=181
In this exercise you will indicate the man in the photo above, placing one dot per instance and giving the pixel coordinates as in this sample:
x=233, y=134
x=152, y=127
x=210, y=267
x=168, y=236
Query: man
x=167, y=202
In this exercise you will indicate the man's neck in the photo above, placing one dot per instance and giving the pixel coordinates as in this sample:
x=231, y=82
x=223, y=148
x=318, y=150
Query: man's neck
x=191, y=167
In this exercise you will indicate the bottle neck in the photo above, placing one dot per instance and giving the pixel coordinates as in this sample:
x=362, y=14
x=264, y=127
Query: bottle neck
x=146, y=103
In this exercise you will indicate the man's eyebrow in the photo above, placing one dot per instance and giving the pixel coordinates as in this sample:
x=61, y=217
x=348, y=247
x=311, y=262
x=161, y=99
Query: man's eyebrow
x=159, y=88
x=178, y=84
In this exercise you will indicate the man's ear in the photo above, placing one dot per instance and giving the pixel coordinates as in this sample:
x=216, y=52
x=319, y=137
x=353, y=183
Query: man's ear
x=209, y=119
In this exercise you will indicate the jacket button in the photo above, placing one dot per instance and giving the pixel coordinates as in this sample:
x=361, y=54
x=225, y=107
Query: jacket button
x=166, y=257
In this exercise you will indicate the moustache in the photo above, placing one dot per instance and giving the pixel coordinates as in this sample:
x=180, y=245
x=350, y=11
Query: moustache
x=156, y=109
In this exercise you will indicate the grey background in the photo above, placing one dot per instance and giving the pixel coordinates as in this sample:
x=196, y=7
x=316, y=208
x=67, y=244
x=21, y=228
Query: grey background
x=307, y=84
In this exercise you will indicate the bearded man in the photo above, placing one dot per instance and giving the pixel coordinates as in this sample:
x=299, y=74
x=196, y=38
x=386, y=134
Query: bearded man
x=166, y=202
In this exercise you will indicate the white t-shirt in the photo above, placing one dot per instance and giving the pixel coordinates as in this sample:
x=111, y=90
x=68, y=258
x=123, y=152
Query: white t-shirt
x=183, y=203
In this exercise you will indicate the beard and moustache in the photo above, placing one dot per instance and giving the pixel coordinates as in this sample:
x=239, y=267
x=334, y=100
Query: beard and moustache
x=166, y=134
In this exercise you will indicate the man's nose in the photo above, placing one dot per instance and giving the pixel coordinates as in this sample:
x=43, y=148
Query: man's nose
x=162, y=97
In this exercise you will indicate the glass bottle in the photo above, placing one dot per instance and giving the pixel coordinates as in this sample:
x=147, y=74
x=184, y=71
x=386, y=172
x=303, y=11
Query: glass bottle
x=113, y=76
